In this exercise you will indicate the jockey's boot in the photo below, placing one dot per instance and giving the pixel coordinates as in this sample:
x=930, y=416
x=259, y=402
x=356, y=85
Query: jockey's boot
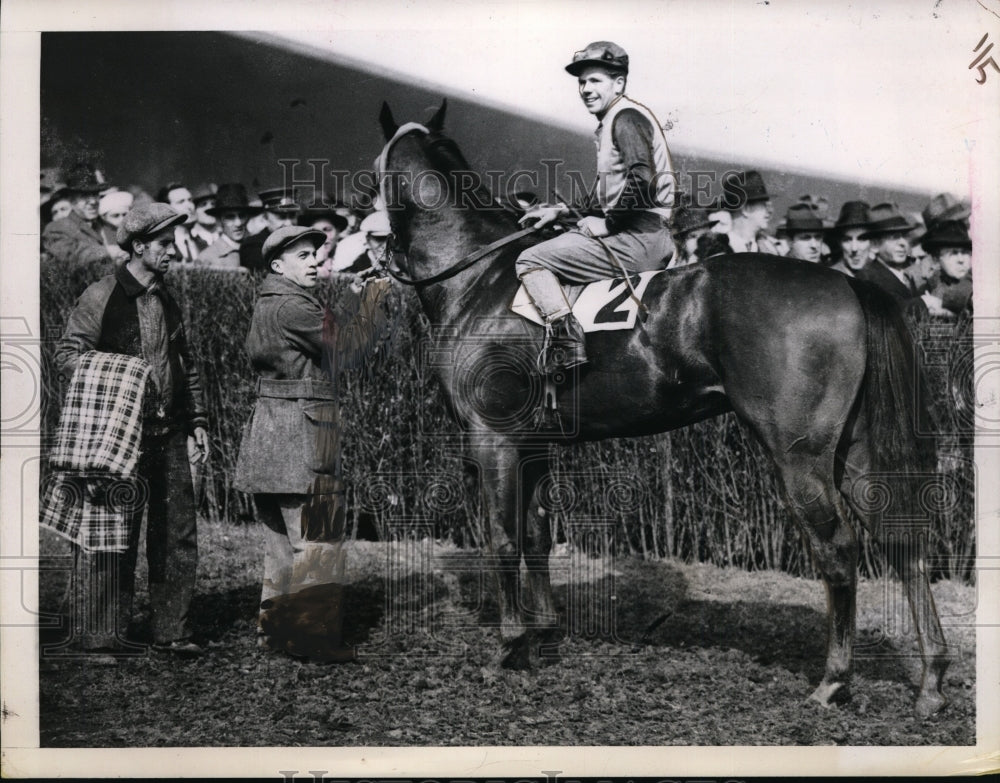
x=566, y=347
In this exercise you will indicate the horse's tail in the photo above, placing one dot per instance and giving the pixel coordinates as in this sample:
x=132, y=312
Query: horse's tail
x=899, y=423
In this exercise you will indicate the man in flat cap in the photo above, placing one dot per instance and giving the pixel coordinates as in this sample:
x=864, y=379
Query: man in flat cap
x=748, y=204
x=131, y=313
x=623, y=227
x=280, y=209
x=289, y=458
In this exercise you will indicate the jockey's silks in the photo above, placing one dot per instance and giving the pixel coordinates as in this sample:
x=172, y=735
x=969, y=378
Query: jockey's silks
x=612, y=169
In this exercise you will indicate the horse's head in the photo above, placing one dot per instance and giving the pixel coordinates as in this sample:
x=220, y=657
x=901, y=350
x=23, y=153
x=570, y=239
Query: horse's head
x=438, y=207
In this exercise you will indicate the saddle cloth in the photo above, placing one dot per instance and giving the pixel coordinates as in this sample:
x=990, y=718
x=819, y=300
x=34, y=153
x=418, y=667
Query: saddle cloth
x=601, y=306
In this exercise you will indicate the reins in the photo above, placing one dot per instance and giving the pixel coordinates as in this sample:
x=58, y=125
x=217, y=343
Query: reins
x=463, y=264
x=459, y=266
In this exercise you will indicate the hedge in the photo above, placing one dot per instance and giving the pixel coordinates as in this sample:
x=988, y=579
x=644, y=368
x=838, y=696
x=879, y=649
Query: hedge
x=704, y=493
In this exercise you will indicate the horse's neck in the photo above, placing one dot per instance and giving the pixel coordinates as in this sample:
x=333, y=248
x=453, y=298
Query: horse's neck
x=487, y=286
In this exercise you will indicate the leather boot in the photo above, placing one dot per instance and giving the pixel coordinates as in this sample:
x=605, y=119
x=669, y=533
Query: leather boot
x=567, y=348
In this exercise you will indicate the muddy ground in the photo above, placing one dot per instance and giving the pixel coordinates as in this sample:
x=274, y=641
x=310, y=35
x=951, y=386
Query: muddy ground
x=731, y=662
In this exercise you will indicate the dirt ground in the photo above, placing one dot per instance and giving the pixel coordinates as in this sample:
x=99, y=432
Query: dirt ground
x=731, y=662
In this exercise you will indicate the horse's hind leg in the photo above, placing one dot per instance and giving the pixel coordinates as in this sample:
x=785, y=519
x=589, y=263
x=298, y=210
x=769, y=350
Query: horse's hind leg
x=904, y=546
x=813, y=500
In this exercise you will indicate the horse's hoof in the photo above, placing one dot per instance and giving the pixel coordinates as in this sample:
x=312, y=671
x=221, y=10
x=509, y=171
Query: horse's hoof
x=548, y=641
x=830, y=693
x=517, y=654
x=929, y=703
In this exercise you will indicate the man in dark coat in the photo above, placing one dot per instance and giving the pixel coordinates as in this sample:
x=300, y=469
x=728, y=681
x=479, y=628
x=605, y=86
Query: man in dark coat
x=131, y=312
x=888, y=232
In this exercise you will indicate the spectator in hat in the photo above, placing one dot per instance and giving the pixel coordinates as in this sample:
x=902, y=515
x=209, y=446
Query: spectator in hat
x=710, y=244
x=689, y=224
x=178, y=197
x=232, y=210
x=205, y=229
x=851, y=249
x=279, y=209
x=131, y=312
x=805, y=233
x=944, y=206
x=58, y=206
x=112, y=209
x=887, y=231
x=950, y=292
x=625, y=218
x=322, y=217
x=373, y=261
x=77, y=239
x=746, y=199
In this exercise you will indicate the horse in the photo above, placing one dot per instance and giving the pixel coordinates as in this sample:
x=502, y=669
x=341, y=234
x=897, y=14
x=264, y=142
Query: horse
x=818, y=366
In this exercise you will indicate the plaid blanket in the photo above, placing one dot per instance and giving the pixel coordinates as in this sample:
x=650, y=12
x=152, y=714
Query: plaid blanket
x=101, y=424
x=94, y=491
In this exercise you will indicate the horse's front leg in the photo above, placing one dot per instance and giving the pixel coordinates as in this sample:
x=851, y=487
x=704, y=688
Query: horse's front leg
x=499, y=469
x=537, y=549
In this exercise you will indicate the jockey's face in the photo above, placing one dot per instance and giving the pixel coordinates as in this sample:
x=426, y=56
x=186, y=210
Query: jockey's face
x=598, y=88
x=297, y=263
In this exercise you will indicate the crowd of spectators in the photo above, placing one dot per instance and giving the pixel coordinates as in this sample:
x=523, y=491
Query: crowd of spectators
x=224, y=229
x=922, y=260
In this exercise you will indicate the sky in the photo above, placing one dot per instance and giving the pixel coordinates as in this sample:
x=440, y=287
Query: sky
x=882, y=96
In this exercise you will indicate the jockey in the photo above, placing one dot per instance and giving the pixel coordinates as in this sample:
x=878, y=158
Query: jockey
x=627, y=228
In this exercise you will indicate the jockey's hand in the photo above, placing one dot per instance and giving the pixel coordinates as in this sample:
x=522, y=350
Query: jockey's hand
x=544, y=214
x=593, y=227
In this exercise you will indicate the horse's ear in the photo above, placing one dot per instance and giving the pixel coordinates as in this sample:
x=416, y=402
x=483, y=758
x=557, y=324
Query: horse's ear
x=436, y=123
x=389, y=126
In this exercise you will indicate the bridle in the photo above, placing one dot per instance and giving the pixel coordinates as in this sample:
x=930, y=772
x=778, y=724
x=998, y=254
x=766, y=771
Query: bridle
x=459, y=266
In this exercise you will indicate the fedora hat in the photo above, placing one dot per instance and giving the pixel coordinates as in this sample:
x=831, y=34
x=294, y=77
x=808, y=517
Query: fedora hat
x=232, y=197
x=739, y=188
x=318, y=210
x=205, y=190
x=945, y=206
x=603, y=54
x=146, y=220
x=947, y=233
x=288, y=235
x=886, y=219
x=800, y=218
x=853, y=214
x=84, y=179
x=279, y=200
x=687, y=218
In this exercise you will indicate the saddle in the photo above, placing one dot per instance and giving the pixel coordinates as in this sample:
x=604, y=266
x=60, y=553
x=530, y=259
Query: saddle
x=601, y=306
